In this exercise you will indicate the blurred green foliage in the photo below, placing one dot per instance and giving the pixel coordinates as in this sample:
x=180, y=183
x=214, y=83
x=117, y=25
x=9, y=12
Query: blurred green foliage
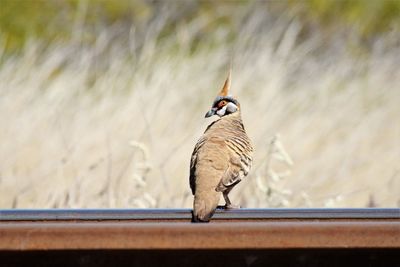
x=51, y=20
x=48, y=20
x=366, y=17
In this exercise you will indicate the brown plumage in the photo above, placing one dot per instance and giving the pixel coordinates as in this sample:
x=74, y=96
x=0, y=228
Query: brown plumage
x=221, y=157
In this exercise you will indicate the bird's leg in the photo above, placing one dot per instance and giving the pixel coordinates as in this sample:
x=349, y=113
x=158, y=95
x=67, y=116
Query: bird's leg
x=228, y=203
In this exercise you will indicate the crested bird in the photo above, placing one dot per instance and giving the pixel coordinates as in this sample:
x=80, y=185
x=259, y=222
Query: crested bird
x=222, y=157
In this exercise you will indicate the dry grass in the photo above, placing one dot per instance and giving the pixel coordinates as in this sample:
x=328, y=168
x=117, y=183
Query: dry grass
x=113, y=124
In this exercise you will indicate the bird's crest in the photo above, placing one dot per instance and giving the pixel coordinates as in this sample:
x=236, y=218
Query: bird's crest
x=227, y=86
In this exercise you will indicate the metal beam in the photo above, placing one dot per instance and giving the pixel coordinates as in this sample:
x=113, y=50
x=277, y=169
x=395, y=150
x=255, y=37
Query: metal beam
x=171, y=229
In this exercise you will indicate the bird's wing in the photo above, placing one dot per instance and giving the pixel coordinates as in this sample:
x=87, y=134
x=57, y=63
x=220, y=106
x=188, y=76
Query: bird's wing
x=209, y=162
x=239, y=163
x=193, y=163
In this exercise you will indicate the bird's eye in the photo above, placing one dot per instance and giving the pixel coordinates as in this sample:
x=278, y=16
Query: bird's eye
x=222, y=103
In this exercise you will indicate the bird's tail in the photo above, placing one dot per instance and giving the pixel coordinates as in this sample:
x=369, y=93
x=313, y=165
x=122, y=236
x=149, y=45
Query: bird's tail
x=204, y=207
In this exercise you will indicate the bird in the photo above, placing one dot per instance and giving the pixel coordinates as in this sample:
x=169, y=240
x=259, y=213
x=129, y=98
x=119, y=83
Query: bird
x=221, y=158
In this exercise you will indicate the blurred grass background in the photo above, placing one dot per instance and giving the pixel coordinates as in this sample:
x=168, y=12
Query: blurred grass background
x=101, y=102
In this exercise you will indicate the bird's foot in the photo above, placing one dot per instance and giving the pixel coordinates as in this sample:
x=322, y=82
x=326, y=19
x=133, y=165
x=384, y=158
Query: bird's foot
x=232, y=206
x=228, y=207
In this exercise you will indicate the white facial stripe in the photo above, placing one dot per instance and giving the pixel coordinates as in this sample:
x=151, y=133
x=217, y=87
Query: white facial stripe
x=221, y=112
x=231, y=107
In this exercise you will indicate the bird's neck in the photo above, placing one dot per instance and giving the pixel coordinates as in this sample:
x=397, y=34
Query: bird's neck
x=233, y=116
x=233, y=120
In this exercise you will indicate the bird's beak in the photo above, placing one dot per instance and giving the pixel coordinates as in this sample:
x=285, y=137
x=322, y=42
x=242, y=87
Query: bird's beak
x=211, y=112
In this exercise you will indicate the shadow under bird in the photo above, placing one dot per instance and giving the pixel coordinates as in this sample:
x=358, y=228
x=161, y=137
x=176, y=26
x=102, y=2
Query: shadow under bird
x=221, y=158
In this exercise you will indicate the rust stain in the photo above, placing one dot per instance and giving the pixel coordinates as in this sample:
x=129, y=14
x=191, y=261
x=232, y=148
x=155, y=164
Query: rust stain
x=185, y=235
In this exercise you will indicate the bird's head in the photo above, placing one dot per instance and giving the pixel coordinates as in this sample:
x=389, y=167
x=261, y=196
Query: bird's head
x=224, y=104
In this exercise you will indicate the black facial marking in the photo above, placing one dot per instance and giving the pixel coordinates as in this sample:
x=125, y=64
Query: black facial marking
x=226, y=98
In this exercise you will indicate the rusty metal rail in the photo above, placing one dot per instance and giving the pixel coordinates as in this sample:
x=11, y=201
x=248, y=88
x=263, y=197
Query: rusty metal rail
x=22, y=230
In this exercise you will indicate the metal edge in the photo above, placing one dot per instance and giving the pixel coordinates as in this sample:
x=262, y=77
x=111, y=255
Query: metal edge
x=185, y=214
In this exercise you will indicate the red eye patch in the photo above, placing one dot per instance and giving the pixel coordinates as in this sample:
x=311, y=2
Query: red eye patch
x=221, y=104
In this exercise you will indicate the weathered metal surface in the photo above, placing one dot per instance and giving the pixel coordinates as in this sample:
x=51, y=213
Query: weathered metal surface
x=171, y=229
x=178, y=235
x=185, y=214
